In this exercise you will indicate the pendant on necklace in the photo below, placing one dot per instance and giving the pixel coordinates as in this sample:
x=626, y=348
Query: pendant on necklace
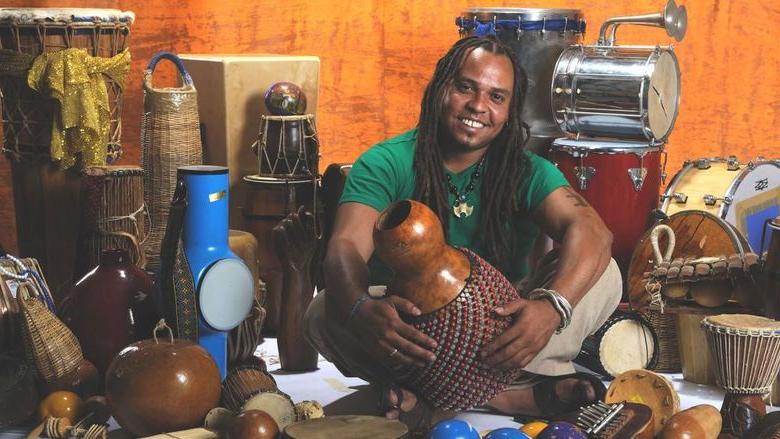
x=461, y=209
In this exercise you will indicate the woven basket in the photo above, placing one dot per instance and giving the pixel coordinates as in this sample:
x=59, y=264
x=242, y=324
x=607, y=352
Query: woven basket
x=170, y=138
x=50, y=346
x=665, y=326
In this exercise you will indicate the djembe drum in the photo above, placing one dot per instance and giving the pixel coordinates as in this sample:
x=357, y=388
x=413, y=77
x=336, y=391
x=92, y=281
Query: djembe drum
x=746, y=353
x=113, y=215
x=46, y=197
x=456, y=292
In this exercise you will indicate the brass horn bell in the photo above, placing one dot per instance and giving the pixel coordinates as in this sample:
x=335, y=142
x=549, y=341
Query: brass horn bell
x=674, y=19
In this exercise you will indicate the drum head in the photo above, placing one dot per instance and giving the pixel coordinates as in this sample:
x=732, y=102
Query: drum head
x=347, y=427
x=225, y=294
x=627, y=344
x=648, y=388
x=664, y=95
x=697, y=234
x=743, y=322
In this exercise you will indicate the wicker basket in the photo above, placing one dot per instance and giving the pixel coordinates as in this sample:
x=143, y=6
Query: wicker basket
x=170, y=137
x=665, y=326
x=50, y=346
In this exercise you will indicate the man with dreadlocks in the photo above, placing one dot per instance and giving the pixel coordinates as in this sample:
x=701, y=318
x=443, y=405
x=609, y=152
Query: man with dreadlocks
x=466, y=160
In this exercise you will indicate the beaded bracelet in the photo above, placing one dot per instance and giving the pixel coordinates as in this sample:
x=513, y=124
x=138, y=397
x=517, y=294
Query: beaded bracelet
x=560, y=303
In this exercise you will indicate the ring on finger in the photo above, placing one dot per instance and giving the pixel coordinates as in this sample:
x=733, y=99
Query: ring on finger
x=393, y=354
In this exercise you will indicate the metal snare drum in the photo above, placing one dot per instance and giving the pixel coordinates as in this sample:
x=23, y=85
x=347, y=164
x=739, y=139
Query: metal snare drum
x=537, y=37
x=621, y=180
x=625, y=92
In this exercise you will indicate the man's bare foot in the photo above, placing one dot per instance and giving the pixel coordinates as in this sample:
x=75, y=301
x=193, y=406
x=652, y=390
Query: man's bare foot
x=569, y=391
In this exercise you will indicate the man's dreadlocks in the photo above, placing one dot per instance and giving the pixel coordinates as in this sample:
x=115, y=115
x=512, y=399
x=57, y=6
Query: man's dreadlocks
x=505, y=164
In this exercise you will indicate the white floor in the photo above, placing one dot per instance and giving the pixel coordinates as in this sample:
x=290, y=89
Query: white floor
x=341, y=395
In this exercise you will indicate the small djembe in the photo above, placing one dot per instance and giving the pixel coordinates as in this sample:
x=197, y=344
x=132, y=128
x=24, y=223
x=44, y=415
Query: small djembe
x=746, y=353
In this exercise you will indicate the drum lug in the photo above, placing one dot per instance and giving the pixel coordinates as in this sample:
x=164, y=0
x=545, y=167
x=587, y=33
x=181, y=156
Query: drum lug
x=703, y=164
x=584, y=174
x=711, y=200
x=637, y=176
x=678, y=197
x=732, y=164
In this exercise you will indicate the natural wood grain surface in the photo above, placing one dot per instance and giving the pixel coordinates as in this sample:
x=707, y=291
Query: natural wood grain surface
x=377, y=56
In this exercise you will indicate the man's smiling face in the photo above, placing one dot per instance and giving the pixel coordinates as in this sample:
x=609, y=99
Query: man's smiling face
x=477, y=101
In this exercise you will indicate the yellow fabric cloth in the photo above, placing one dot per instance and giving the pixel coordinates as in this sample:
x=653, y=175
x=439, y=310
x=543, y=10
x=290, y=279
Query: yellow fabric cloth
x=75, y=80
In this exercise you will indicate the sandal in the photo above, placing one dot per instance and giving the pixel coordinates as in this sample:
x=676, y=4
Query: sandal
x=553, y=407
x=419, y=419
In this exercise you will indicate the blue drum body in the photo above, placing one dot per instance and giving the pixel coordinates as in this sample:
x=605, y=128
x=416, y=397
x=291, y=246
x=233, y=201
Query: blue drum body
x=223, y=283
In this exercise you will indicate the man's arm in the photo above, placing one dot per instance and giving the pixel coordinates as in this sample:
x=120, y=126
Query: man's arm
x=376, y=322
x=585, y=253
x=586, y=242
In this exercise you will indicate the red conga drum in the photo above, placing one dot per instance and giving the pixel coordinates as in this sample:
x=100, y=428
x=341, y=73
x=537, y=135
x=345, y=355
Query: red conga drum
x=268, y=201
x=620, y=179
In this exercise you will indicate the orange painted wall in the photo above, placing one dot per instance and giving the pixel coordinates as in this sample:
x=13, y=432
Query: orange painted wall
x=377, y=56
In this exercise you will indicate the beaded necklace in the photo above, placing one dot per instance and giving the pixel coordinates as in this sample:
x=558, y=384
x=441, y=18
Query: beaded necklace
x=461, y=208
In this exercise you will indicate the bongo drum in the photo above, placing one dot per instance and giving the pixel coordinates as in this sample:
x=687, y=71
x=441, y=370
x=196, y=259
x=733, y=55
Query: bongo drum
x=347, y=427
x=624, y=342
x=621, y=180
x=287, y=146
x=745, y=195
x=537, y=36
x=648, y=388
x=746, y=352
x=243, y=383
x=46, y=197
x=114, y=214
x=268, y=201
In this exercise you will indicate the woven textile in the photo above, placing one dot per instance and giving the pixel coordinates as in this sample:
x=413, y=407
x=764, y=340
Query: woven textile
x=457, y=380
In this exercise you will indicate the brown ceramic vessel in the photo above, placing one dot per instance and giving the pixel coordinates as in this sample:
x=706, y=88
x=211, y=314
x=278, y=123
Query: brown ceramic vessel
x=409, y=238
x=111, y=307
x=253, y=424
x=154, y=386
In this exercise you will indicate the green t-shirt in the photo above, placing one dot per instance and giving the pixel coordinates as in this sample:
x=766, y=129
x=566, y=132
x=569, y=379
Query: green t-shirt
x=384, y=174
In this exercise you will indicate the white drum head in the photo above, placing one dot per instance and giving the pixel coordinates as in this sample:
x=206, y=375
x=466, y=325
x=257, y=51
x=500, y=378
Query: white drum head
x=627, y=345
x=280, y=407
x=663, y=95
x=226, y=294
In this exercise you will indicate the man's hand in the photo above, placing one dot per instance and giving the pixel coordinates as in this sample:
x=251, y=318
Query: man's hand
x=378, y=323
x=534, y=323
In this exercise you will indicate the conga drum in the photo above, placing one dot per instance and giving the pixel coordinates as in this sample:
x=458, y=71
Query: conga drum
x=113, y=215
x=537, y=36
x=268, y=201
x=745, y=195
x=621, y=180
x=746, y=352
x=46, y=197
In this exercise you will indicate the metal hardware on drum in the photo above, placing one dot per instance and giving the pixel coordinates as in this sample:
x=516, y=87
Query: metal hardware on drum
x=537, y=36
x=678, y=197
x=711, y=200
x=584, y=174
x=673, y=19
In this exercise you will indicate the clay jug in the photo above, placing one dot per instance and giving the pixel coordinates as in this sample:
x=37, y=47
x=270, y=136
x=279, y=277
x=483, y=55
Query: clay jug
x=110, y=307
x=456, y=291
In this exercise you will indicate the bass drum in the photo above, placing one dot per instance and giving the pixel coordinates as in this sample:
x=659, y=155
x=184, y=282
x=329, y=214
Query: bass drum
x=697, y=233
x=745, y=195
